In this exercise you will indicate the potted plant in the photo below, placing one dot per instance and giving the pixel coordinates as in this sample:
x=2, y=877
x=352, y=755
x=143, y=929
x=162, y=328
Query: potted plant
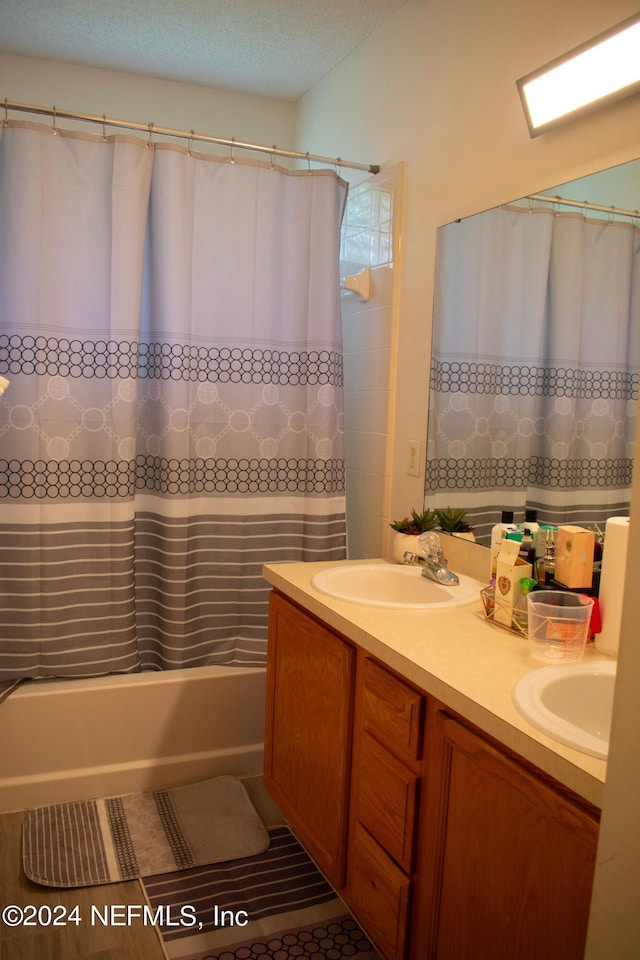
x=454, y=522
x=408, y=529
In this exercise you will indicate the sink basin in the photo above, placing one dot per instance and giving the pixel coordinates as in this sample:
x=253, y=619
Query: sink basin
x=393, y=585
x=571, y=704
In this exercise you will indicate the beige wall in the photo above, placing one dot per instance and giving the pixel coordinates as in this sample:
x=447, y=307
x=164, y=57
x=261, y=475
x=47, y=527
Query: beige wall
x=126, y=96
x=435, y=88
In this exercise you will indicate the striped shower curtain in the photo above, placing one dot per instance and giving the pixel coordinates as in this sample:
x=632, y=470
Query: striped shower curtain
x=170, y=329
x=535, y=366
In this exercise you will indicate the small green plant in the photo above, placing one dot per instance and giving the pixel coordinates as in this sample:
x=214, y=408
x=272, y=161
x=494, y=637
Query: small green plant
x=452, y=521
x=416, y=523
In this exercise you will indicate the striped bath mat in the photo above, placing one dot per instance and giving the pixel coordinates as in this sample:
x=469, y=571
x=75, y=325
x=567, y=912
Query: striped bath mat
x=272, y=905
x=142, y=834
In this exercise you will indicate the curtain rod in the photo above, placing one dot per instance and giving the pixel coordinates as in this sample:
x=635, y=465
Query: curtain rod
x=584, y=204
x=188, y=135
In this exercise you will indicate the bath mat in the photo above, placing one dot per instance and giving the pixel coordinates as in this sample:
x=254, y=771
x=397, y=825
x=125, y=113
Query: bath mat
x=121, y=838
x=275, y=904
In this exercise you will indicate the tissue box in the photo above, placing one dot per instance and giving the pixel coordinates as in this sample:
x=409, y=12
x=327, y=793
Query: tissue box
x=574, y=556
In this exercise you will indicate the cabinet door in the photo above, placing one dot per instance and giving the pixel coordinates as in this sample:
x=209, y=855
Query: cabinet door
x=511, y=858
x=310, y=680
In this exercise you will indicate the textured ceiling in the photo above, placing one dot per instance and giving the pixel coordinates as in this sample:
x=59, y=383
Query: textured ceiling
x=277, y=48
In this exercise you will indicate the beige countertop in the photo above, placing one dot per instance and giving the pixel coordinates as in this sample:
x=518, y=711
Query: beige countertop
x=459, y=658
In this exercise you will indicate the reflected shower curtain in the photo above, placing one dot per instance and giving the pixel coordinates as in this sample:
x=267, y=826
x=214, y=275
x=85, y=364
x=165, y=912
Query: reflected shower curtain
x=534, y=376
x=170, y=330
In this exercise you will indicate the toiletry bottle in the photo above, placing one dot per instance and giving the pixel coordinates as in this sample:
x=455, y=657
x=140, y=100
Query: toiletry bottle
x=540, y=538
x=520, y=609
x=530, y=527
x=498, y=533
x=527, y=547
x=546, y=566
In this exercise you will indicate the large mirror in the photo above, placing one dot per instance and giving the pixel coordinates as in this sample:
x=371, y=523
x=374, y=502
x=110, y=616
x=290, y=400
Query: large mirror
x=535, y=356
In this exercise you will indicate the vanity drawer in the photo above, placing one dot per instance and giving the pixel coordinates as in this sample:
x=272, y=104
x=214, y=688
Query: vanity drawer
x=386, y=800
x=392, y=711
x=379, y=894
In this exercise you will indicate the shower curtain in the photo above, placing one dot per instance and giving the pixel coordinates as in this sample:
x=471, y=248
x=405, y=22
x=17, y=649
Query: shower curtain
x=170, y=329
x=535, y=360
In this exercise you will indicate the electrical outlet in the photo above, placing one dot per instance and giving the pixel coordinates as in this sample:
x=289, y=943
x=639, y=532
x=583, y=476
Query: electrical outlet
x=413, y=462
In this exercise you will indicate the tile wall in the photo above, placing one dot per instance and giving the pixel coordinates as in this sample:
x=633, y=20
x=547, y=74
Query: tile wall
x=370, y=238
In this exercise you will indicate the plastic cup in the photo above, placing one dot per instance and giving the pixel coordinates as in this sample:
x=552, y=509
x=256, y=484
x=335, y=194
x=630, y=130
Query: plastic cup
x=558, y=625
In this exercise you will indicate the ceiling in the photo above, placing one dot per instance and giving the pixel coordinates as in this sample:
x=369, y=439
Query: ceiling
x=275, y=48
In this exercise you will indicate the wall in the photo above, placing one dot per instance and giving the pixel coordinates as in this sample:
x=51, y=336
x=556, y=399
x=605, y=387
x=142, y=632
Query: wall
x=435, y=87
x=125, y=96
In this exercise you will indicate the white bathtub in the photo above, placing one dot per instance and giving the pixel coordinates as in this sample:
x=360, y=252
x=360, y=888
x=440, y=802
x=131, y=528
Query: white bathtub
x=76, y=739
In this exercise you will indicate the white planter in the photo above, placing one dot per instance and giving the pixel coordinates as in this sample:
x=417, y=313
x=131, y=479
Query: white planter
x=403, y=542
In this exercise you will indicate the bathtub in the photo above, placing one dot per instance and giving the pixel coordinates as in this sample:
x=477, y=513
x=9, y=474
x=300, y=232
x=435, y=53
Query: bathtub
x=76, y=739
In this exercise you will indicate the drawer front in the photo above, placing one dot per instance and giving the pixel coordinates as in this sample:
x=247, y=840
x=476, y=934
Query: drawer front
x=379, y=894
x=386, y=800
x=392, y=711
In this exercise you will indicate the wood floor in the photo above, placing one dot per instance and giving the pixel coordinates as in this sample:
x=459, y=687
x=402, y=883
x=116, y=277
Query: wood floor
x=82, y=941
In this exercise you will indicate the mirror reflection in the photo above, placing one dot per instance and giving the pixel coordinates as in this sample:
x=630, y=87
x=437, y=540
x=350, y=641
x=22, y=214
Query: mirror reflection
x=535, y=356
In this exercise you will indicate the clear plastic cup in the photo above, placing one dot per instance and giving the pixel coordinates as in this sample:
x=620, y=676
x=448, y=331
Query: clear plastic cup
x=558, y=625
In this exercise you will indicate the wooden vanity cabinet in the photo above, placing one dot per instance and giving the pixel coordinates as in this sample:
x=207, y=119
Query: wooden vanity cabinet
x=507, y=854
x=308, y=734
x=444, y=843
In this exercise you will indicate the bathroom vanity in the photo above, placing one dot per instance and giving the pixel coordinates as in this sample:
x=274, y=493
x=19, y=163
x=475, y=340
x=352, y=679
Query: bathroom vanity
x=449, y=825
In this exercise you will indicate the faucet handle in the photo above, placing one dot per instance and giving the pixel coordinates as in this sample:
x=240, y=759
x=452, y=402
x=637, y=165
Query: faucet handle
x=429, y=543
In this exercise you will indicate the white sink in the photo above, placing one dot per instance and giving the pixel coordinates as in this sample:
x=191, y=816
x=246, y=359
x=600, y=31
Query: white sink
x=393, y=585
x=571, y=704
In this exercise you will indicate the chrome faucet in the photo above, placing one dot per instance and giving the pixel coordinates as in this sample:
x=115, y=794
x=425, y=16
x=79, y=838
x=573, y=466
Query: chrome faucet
x=435, y=563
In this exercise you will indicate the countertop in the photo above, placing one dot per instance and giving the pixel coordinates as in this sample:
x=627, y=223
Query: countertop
x=456, y=656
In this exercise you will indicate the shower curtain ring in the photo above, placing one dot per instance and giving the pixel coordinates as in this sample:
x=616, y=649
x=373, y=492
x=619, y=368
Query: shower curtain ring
x=150, y=141
x=232, y=158
x=308, y=163
x=273, y=157
x=53, y=128
x=190, y=145
x=6, y=113
x=104, y=126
